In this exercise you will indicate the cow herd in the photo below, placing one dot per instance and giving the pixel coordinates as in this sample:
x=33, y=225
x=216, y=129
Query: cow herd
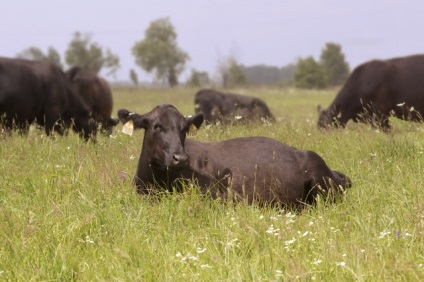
x=42, y=93
x=250, y=169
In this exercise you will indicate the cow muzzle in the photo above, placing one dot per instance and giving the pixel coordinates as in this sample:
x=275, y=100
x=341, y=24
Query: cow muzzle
x=179, y=160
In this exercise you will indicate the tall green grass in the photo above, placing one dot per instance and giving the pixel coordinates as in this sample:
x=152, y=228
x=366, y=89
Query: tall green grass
x=68, y=210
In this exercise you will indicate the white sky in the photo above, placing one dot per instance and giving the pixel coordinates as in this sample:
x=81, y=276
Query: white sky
x=272, y=32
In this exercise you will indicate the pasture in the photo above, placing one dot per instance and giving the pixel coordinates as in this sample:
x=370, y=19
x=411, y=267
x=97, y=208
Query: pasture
x=68, y=210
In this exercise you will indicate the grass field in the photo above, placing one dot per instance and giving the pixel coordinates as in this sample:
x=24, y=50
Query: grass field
x=68, y=210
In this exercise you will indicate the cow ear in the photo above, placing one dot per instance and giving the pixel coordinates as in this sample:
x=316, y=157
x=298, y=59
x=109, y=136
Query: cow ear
x=196, y=120
x=319, y=108
x=139, y=121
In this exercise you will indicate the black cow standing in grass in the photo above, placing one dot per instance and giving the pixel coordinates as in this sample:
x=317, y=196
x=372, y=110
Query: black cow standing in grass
x=96, y=93
x=378, y=89
x=39, y=91
x=217, y=106
x=254, y=169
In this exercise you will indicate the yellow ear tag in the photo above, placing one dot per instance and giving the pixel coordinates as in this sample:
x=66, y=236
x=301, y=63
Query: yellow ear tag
x=128, y=128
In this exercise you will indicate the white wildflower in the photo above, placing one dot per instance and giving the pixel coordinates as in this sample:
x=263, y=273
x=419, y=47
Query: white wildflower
x=289, y=242
x=278, y=273
x=384, y=234
x=200, y=250
x=272, y=230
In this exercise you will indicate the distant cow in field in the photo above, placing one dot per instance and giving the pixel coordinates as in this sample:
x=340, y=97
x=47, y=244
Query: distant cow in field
x=96, y=93
x=252, y=169
x=39, y=91
x=378, y=89
x=226, y=106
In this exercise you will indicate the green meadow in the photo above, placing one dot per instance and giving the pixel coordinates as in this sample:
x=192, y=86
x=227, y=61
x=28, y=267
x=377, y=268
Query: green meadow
x=68, y=210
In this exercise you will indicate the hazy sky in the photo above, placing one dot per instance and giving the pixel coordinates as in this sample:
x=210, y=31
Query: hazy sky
x=271, y=32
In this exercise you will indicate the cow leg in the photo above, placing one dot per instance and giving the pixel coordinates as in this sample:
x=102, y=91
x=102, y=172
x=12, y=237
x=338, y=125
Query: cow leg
x=52, y=123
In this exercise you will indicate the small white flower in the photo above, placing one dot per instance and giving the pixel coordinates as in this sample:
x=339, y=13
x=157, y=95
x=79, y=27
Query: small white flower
x=289, y=242
x=384, y=234
x=318, y=261
x=278, y=273
x=205, y=266
x=342, y=263
x=200, y=250
x=132, y=157
x=192, y=258
x=272, y=230
x=261, y=217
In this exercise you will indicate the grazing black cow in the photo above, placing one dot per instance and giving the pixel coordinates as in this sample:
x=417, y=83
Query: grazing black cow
x=96, y=93
x=255, y=169
x=39, y=91
x=378, y=89
x=217, y=106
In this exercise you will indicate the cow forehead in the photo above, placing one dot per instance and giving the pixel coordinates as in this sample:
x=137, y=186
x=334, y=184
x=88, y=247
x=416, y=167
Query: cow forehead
x=167, y=115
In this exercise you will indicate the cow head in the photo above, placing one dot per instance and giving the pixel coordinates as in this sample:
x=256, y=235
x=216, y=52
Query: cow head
x=329, y=118
x=164, y=137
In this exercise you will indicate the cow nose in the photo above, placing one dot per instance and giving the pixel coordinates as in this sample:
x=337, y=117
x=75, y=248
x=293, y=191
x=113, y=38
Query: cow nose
x=180, y=160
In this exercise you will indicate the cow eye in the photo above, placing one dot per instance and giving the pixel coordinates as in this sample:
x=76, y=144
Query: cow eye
x=157, y=127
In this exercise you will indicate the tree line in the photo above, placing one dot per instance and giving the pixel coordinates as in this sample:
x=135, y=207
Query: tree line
x=159, y=54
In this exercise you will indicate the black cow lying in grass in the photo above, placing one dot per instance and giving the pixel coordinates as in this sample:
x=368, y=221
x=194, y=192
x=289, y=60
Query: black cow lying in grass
x=226, y=107
x=254, y=169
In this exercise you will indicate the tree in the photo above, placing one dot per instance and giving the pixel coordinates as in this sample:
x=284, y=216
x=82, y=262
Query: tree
x=236, y=76
x=134, y=77
x=309, y=74
x=334, y=64
x=231, y=72
x=88, y=55
x=268, y=75
x=198, y=78
x=34, y=53
x=158, y=52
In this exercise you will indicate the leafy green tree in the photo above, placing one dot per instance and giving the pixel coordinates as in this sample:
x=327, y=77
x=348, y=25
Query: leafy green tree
x=134, y=77
x=89, y=55
x=158, y=52
x=309, y=74
x=231, y=72
x=34, y=53
x=198, y=78
x=236, y=76
x=268, y=75
x=334, y=64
